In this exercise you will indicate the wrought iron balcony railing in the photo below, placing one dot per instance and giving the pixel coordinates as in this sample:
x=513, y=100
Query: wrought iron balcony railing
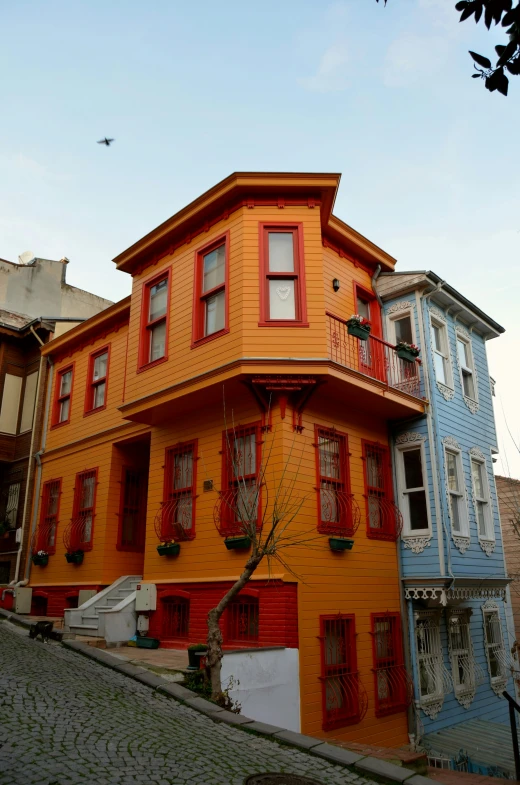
x=174, y=520
x=77, y=535
x=373, y=357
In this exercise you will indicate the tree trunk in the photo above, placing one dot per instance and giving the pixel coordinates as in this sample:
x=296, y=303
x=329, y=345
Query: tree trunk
x=214, y=639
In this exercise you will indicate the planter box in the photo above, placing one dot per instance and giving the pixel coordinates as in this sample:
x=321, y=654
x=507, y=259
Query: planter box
x=238, y=543
x=148, y=643
x=41, y=561
x=340, y=543
x=354, y=328
x=75, y=558
x=405, y=354
x=195, y=659
x=169, y=550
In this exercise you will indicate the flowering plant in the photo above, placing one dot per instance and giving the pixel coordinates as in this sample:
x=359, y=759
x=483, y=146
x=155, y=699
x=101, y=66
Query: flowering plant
x=361, y=320
x=42, y=553
x=409, y=347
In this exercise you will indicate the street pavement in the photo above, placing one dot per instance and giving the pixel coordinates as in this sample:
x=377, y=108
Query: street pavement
x=65, y=719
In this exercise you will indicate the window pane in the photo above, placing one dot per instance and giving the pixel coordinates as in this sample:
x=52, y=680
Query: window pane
x=214, y=268
x=455, y=513
x=403, y=330
x=478, y=481
x=99, y=395
x=418, y=512
x=329, y=508
x=467, y=383
x=86, y=531
x=329, y=457
x=183, y=470
x=363, y=308
x=281, y=252
x=244, y=458
x=157, y=341
x=437, y=341
x=87, y=492
x=413, y=468
x=282, y=303
x=440, y=368
x=158, y=300
x=215, y=313
x=64, y=410
x=375, y=476
x=100, y=367
x=481, y=519
x=66, y=383
x=462, y=349
x=453, y=478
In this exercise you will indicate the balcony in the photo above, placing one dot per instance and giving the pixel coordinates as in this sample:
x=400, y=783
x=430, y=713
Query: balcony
x=373, y=358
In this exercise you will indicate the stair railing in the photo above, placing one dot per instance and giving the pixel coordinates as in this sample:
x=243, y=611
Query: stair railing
x=513, y=706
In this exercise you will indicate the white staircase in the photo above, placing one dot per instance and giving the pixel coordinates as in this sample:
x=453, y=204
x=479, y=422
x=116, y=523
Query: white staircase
x=110, y=614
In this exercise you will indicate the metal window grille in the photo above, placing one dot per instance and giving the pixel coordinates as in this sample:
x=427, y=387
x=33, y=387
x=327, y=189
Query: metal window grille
x=78, y=533
x=176, y=617
x=393, y=686
x=244, y=619
x=49, y=516
x=132, y=523
x=384, y=520
x=465, y=671
x=434, y=680
x=337, y=509
x=438, y=762
x=343, y=696
x=495, y=650
x=11, y=510
x=238, y=507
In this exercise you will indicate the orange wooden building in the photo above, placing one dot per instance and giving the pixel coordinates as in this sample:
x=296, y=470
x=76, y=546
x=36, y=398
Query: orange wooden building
x=235, y=341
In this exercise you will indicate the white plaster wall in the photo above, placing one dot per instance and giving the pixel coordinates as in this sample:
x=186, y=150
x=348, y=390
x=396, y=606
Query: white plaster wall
x=269, y=689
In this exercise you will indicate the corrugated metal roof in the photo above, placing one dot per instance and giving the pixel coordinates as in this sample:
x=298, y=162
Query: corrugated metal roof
x=486, y=743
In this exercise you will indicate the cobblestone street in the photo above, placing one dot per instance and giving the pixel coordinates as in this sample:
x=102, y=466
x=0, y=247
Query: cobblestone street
x=65, y=719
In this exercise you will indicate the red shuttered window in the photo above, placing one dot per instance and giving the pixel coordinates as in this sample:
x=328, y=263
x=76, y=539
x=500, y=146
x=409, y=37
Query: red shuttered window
x=341, y=689
x=333, y=479
x=282, y=276
x=49, y=516
x=243, y=619
x=96, y=397
x=240, y=502
x=153, y=347
x=392, y=685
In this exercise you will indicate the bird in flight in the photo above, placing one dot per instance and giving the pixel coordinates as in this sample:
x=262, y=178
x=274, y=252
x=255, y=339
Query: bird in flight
x=105, y=141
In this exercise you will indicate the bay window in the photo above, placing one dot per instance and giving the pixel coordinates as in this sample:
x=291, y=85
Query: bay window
x=63, y=396
x=282, y=295
x=456, y=494
x=210, y=313
x=413, y=489
x=154, y=320
x=467, y=369
x=335, y=510
x=441, y=361
x=481, y=499
x=97, y=380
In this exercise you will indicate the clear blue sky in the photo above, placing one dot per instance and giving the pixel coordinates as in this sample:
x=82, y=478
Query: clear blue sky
x=194, y=91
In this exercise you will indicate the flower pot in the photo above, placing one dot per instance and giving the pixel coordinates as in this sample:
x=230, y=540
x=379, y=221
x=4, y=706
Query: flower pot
x=169, y=549
x=237, y=543
x=147, y=643
x=406, y=354
x=340, y=543
x=41, y=561
x=195, y=658
x=75, y=558
x=354, y=328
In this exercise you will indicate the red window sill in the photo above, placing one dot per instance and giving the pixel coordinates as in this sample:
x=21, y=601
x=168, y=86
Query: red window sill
x=146, y=366
x=207, y=338
x=60, y=424
x=130, y=548
x=94, y=411
x=283, y=323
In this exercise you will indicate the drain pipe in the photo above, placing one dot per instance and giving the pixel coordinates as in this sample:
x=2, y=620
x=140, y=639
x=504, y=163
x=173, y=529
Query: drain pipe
x=376, y=275
x=37, y=457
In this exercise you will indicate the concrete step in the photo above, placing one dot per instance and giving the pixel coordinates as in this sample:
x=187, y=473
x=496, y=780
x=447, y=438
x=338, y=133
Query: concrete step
x=85, y=629
x=90, y=618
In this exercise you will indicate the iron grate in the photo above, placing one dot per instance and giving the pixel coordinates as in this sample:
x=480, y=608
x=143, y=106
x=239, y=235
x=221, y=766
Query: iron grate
x=279, y=779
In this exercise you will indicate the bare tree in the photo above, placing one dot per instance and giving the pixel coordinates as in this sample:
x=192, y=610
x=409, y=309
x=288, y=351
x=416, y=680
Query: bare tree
x=262, y=509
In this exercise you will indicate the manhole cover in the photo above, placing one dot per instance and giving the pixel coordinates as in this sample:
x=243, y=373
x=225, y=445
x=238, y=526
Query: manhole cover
x=279, y=779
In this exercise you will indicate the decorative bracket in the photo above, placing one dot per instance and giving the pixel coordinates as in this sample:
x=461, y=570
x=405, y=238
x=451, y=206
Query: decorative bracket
x=295, y=391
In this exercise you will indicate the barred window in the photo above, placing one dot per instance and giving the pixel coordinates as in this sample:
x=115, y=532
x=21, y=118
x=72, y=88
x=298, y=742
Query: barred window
x=176, y=617
x=244, y=619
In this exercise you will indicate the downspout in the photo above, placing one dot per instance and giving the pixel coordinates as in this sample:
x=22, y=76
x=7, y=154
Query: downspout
x=29, y=472
x=376, y=275
x=436, y=447
x=37, y=457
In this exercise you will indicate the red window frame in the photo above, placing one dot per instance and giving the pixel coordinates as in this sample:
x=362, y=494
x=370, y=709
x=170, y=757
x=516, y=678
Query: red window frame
x=229, y=526
x=79, y=512
x=147, y=325
x=174, y=495
x=374, y=308
x=243, y=621
x=135, y=505
x=91, y=384
x=58, y=398
x=384, y=508
x=298, y=275
x=331, y=490
x=48, y=520
x=200, y=297
x=339, y=674
x=390, y=676
x=175, y=612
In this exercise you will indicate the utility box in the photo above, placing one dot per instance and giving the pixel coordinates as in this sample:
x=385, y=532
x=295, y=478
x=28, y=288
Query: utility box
x=145, y=597
x=84, y=595
x=22, y=600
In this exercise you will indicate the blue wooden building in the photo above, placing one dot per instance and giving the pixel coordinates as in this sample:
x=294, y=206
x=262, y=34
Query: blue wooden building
x=452, y=561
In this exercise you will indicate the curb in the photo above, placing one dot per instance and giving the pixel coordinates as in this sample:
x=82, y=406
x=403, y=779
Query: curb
x=20, y=621
x=375, y=768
